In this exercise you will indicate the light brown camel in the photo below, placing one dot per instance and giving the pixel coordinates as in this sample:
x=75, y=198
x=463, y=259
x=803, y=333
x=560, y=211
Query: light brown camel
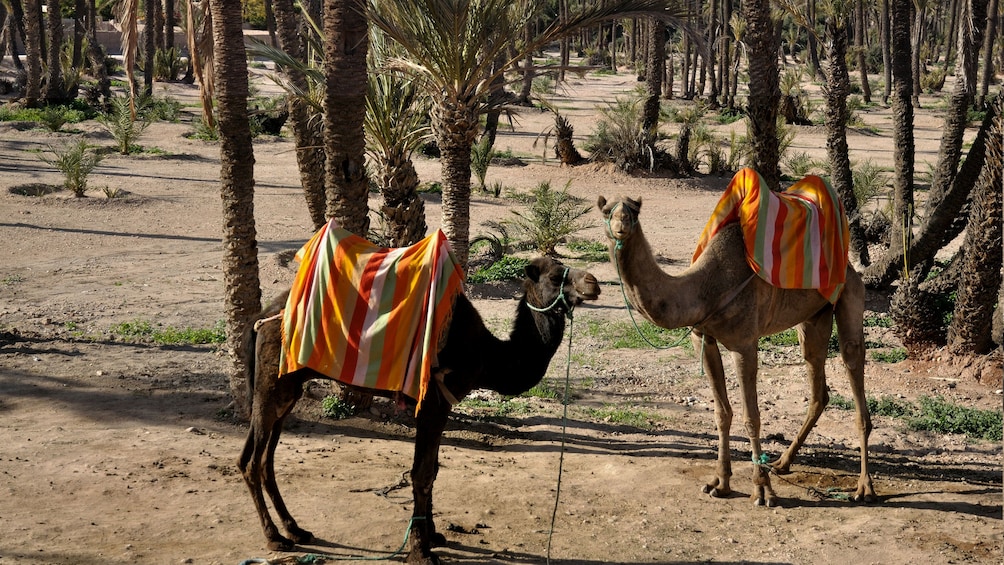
x=471, y=358
x=725, y=303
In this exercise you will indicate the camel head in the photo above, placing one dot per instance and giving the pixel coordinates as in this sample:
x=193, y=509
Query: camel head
x=550, y=284
x=620, y=215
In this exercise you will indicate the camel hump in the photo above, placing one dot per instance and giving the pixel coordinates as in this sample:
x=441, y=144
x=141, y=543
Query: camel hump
x=796, y=239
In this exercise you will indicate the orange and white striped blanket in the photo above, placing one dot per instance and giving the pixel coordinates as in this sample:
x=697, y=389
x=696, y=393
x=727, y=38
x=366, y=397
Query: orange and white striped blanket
x=794, y=239
x=367, y=315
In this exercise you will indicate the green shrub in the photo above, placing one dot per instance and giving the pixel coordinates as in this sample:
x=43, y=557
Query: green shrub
x=336, y=408
x=619, y=137
x=938, y=415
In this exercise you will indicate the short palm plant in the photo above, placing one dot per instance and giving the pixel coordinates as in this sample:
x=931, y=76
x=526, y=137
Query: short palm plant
x=123, y=125
x=75, y=162
x=551, y=216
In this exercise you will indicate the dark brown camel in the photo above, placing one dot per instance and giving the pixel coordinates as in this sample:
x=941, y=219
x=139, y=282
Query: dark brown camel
x=724, y=302
x=471, y=358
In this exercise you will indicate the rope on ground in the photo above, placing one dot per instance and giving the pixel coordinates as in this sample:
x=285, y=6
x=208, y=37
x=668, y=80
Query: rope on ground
x=564, y=425
x=312, y=558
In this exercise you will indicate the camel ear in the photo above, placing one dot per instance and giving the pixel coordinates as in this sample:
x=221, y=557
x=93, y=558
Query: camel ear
x=601, y=202
x=637, y=203
x=532, y=271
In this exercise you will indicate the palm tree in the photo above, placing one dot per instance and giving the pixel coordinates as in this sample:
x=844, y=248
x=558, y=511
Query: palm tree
x=838, y=87
x=451, y=46
x=395, y=128
x=655, y=68
x=969, y=331
x=345, y=46
x=54, y=90
x=33, y=52
x=306, y=132
x=765, y=93
x=240, y=248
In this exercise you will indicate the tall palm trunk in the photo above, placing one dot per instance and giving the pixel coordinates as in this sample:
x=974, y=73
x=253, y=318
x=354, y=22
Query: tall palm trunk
x=79, y=30
x=880, y=273
x=33, y=52
x=149, y=46
x=345, y=46
x=838, y=87
x=307, y=139
x=54, y=89
x=655, y=65
x=885, y=38
x=765, y=93
x=455, y=125
x=974, y=17
x=402, y=207
x=240, y=248
x=993, y=13
x=860, y=25
x=969, y=331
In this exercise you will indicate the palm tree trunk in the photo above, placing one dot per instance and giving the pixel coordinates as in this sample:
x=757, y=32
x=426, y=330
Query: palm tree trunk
x=54, y=89
x=838, y=87
x=860, y=25
x=33, y=52
x=150, y=46
x=79, y=29
x=765, y=93
x=973, y=16
x=455, y=125
x=920, y=10
x=993, y=13
x=885, y=39
x=307, y=139
x=240, y=247
x=346, y=185
x=810, y=9
x=903, y=150
x=970, y=328
x=655, y=63
x=169, y=23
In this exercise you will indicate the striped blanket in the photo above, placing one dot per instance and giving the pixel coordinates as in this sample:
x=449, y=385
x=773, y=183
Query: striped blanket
x=370, y=316
x=794, y=239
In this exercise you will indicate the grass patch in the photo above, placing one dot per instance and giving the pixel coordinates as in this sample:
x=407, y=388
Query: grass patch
x=892, y=356
x=787, y=338
x=624, y=335
x=878, y=321
x=933, y=414
x=11, y=280
x=503, y=407
x=623, y=416
x=508, y=268
x=142, y=330
x=592, y=251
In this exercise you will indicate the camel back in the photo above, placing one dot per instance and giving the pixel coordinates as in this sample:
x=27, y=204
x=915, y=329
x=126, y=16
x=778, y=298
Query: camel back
x=794, y=239
x=370, y=316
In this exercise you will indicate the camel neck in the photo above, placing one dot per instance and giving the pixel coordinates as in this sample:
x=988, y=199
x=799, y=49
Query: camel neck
x=665, y=300
x=523, y=359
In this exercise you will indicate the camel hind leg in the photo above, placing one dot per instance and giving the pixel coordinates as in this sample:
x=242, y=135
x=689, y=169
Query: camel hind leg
x=849, y=312
x=814, y=337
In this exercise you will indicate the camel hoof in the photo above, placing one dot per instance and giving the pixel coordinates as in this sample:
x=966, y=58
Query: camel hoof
x=279, y=543
x=416, y=558
x=299, y=535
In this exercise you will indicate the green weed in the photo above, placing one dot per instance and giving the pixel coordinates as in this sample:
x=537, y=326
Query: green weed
x=624, y=335
x=143, y=330
x=892, y=356
x=508, y=268
x=623, y=416
x=336, y=408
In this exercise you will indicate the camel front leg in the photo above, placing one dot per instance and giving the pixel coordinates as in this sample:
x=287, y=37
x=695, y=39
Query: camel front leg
x=712, y=359
x=746, y=366
x=429, y=428
x=814, y=336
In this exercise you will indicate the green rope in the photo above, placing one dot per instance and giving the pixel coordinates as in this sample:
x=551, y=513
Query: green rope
x=564, y=423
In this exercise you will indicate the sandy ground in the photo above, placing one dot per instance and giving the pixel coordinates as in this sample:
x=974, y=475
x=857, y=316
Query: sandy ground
x=117, y=451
